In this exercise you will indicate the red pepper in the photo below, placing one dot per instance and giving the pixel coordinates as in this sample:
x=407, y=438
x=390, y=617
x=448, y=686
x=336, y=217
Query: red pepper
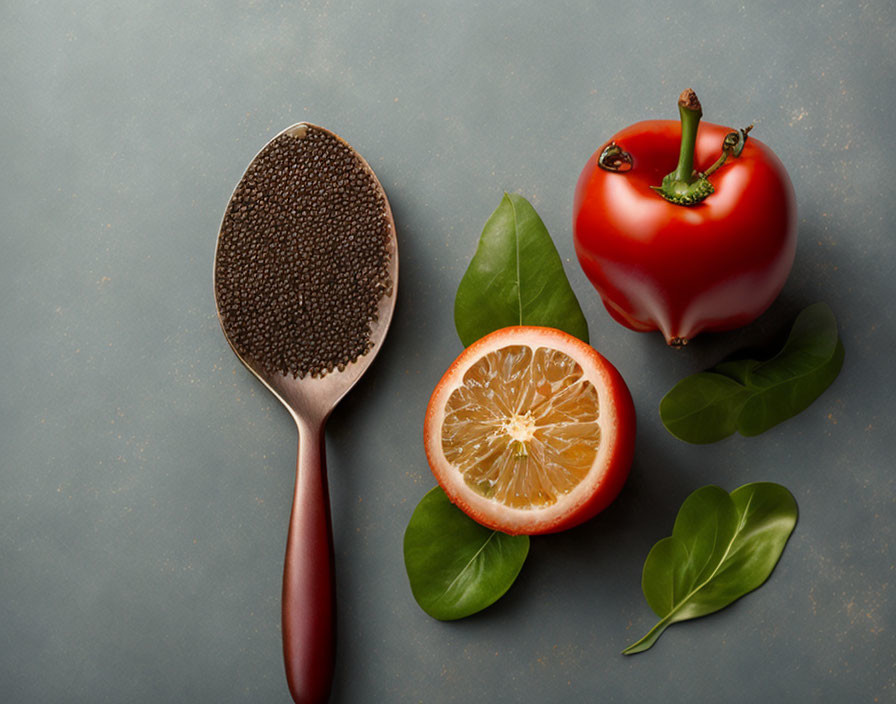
x=705, y=247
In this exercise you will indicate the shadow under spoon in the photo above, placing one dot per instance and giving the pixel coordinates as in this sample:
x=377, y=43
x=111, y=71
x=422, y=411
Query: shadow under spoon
x=306, y=269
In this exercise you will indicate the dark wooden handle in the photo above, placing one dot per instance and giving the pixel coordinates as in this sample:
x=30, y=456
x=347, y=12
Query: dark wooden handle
x=309, y=598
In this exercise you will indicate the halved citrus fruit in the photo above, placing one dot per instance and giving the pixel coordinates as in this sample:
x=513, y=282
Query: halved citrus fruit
x=530, y=431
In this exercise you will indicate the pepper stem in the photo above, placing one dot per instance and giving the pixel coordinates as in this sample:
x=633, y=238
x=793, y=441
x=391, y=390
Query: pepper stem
x=684, y=186
x=691, y=111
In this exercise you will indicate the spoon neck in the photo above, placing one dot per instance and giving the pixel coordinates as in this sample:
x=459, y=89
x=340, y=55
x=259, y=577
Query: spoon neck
x=311, y=426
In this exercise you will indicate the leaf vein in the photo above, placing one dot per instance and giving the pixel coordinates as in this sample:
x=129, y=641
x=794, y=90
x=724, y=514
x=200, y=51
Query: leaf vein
x=466, y=567
x=519, y=278
x=715, y=571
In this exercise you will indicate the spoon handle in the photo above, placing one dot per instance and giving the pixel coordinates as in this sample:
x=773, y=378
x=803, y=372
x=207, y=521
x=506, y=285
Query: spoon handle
x=309, y=599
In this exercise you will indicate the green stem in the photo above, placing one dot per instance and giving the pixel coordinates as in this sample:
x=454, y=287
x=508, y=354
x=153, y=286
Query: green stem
x=650, y=638
x=691, y=111
x=684, y=186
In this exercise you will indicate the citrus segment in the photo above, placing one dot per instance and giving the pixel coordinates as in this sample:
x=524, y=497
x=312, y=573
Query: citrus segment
x=530, y=430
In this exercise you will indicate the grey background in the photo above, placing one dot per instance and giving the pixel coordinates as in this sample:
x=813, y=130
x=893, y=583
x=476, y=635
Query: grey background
x=145, y=476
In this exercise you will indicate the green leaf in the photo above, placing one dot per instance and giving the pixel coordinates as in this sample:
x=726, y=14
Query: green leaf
x=722, y=547
x=515, y=278
x=703, y=408
x=736, y=369
x=752, y=396
x=457, y=567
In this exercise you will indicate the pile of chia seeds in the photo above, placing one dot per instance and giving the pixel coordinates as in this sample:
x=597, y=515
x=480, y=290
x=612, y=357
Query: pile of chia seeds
x=303, y=256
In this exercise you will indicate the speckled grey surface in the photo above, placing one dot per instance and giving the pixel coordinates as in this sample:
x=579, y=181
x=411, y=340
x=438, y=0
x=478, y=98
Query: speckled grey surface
x=145, y=476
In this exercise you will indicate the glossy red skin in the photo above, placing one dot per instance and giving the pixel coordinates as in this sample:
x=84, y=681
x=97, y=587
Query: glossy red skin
x=679, y=269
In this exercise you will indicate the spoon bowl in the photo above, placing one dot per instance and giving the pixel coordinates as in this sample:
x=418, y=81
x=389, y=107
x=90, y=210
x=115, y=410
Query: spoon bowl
x=311, y=388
